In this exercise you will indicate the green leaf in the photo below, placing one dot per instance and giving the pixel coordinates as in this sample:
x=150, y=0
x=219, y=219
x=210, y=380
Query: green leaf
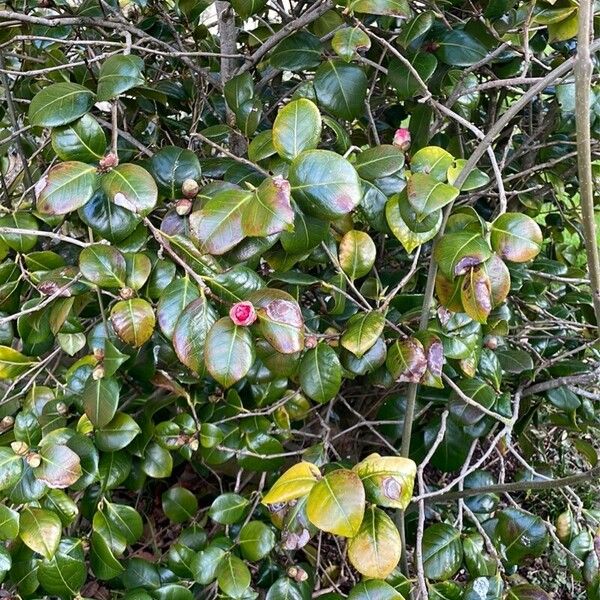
x=118, y=74
x=125, y=520
x=280, y=319
x=286, y=588
x=11, y=468
x=179, y=504
x=229, y=216
x=103, y=265
x=102, y=560
x=60, y=104
x=100, y=399
x=402, y=78
x=442, y=551
x=516, y=237
x=133, y=321
x=82, y=140
x=117, y=434
x=256, y=540
x=475, y=179
x=296, y=128
x=40, y=530
x=191, y=330
x=357, y=253
x=60, y=466
x=426, y=194
x=204, y=565
x=341, y=88
x=388, y=480
x=297, y=52
x=9, y=520
x=233, y=576
x=13, y=363
x=514, y=361
x=349, y=41
x=336, y=504
x=409, y=239
x=484, y=588
x=106, y=219
x=457, y=252
x=392, y=8
x=527, y=591
x=320, y=373
x=432, y=160
x=246, y=8
x=66, y=573
x=375, y=550
x=374, y=589
x=324, y=184
x=173, y=300
x=229, y=352
x=297, y=481
x=380, y=161
x=415, y=28
x=459, y=48
x=362, y=331
x=171, y=166
x=20, y=242
x=477, y=390
x=157, y=462
x=131, y=187
x=228, y=508
x=524, y=535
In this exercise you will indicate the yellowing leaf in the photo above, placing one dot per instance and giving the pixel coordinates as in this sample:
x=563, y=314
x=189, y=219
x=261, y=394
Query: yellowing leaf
x=295, y=482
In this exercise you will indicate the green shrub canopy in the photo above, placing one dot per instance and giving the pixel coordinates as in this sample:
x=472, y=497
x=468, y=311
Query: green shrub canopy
x=299, y=299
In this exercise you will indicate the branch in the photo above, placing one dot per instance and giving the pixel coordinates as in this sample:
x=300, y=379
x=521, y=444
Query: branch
x=520, y=486
x=583, y=82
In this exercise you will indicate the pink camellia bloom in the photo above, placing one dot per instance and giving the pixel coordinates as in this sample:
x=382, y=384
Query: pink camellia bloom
x=402, y=139
x=243, y=314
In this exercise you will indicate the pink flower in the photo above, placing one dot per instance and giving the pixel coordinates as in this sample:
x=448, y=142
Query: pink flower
x=402, y=139
x=243, y=314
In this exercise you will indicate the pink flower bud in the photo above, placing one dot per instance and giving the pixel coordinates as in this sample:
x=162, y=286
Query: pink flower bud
x=243, y=314
x=402, y=139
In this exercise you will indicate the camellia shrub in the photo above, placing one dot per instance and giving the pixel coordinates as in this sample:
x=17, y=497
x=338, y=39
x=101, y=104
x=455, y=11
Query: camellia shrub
x=299, y=300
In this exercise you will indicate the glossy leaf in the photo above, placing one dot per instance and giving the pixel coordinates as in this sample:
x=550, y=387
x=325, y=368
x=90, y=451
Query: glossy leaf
x=320, y=373
x=516, y=237
x=133, y=321
x=375, y=550
x=40, y=530
x=229, y=352
x=60, y=104
x=324, y=184
x=296, y=128
x=66, y=187
x=119, y=74
x=336, y=504
x=295, y=482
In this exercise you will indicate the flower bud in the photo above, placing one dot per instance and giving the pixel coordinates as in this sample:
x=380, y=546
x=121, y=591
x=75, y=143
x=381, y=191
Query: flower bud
x=62, y=409
x=190, y=188
x=98, y=373
x=194, y=444
x=184, y=206
x=6, y=423
x=126, y=293
x=98, y=353
x=310, y=341
x=402, y=139
x=20, y=448
x=491, y=342
x=243, y=314
x=33, y=459
x=110, y=161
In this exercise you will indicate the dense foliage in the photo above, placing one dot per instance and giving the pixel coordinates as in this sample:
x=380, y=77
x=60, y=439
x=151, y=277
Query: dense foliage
x=295, y=300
